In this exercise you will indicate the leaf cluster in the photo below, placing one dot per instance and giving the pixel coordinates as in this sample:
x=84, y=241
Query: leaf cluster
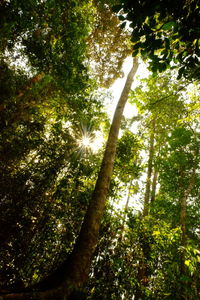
x=167, y=33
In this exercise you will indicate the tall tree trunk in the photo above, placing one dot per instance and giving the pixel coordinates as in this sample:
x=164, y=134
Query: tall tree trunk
x=142, y=276
x=125, y=212
x=149, y=170
x=73, y=273
x=155, y=178
x=183, y=217
x=154, y=184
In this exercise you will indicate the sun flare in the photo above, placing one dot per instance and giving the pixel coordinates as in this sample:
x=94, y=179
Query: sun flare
x=86, y=142
x=93, y=143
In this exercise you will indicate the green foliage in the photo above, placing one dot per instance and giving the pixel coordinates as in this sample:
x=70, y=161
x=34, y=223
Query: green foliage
x=48, y=105
x=156, y=247
x=47, y=175
x=114, y=270
x=127, y=164
x=44, y=171
x=165, y=32
x=108, y=45
x=180, y=159
x=52, y=35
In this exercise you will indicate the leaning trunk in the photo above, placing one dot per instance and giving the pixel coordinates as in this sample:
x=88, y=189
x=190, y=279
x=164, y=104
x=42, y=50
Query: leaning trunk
x=88, y=237
x=74, y=271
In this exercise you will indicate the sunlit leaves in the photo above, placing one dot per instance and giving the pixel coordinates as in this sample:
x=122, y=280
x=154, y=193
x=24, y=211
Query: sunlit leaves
x=108, y=46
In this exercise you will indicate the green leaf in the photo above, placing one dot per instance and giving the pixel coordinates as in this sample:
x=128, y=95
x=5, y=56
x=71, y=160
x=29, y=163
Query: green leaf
x=162, y=67
x=187, y=262
x=184, y=278
x=156, y=232
x=135, y=53
x=169, y=25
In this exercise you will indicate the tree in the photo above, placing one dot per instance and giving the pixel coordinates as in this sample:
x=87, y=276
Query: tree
x=39, y=142
x=108, y=45
x=41, y=112
x=49, y=113
x=163, y=107
x=50, y=36
x=150, y=244
x=74, y=271
x=182, y=165
x=164, y=32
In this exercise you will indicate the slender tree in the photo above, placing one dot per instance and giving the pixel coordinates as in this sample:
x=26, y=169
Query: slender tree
x=154, y=184
x=149, y=169
x=73, y=273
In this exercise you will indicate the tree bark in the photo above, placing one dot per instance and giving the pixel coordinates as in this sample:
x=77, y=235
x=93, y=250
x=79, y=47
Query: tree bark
x=125, y=212
x=183, y=215
x=142, y=274
x=183, y=218
x=149, y=170
x=73, y=273
x=154, y=184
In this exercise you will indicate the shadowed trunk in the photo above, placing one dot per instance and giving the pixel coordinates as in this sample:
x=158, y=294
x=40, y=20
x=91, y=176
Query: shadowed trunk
x=183, y=218
x=73, y=273
x=125, y=212
x=154, y=184
x=149, y=170
x=183, y=215
x=142, y=274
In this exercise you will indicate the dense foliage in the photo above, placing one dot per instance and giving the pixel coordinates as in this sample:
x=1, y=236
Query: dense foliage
x=55, y=58
x=45, y=114
x=164, y=32
x=151, y=250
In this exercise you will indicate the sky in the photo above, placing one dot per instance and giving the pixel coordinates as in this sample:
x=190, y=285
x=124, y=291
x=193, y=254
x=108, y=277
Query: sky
x=118, y=85
x=129, y=112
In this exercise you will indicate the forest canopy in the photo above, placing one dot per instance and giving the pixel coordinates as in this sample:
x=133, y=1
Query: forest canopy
x=93, y=208
x=164, y=32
